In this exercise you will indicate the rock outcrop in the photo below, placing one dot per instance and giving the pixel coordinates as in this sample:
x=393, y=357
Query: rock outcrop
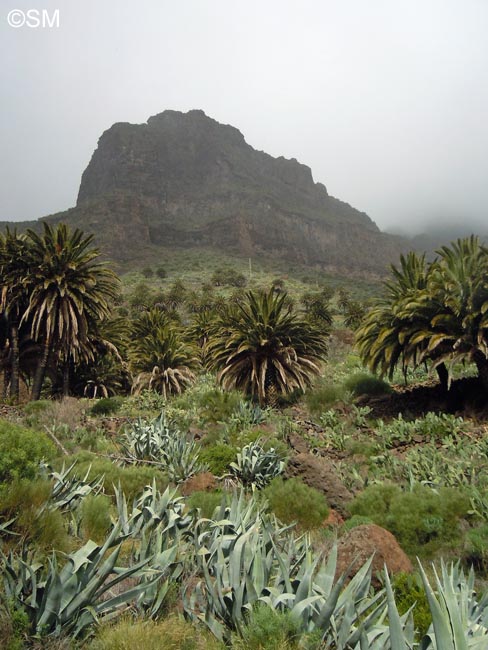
x=360, y=543
x=184, y=180
x=319, y=473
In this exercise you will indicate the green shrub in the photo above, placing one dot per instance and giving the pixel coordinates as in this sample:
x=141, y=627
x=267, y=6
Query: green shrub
x=27, y=502
x=363, y=384
x=106, y=406
x=132, y=478
x=354, y=521
x=206, y=501
x=172, y=633
x=95, y=517
x=21, y=450
x=218, y=406
x=422, y=520
x=269, y=629
x=476, y=548
x=409, y=591
x=218, y=458
x=14, y=626
x=321, y=398
x=293, y=501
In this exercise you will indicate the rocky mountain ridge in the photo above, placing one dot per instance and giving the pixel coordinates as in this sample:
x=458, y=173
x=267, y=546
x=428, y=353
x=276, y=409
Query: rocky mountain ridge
x=185, y=180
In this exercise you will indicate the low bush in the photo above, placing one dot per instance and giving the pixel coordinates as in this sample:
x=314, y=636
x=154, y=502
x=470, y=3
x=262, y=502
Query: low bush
x=26, y=502
x=206, y=501
x=172, y=633
x=218, y=458
x=132, y=478
x=365, y=384
x=293, y=501
x=106, y=406
x=410, y=592
x=268, y=628
x=422, y=520
x=321, y=398
x=476, y=548
x=95, y=517
x=354, y=521
x=21, y=450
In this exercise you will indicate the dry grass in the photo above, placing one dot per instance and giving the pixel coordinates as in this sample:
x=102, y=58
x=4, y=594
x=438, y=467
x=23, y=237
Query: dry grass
x=172, y=633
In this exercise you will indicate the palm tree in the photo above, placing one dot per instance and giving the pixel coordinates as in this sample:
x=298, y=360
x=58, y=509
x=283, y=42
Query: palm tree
x=69, y=291
x=162, y=362
x=13, y=300
x=436, y=313
x=263, y=348
x=386, y=336
x=458, y=288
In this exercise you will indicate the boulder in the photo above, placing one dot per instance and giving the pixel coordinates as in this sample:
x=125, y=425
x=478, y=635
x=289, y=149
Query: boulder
x=319, y=473
x=360, y=543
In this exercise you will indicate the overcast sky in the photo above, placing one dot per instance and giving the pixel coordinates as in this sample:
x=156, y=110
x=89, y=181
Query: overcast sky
x=386, y=100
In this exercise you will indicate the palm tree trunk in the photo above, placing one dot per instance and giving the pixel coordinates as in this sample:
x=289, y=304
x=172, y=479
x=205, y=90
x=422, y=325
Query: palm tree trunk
x=443, y=375
x=6, y=382
x=66, y=369
x=15, y=366
x=41, y=370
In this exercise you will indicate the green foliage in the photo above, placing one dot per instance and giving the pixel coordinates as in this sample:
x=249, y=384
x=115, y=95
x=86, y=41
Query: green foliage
x=147, y=272
x=106, y=406
x=410, y=592
x=263, y=348
x=172, y=633
x=218, y=458
x=268, y=628
x=160, y=441
x=422, y=520
x=322, y=397
x=21, y=451
x=256, y=467
x=354, y=521
x=431, y=312
x=132, y=478
x=476, y=548
x=68, y=599
x=293, y=501
x=161, y=272
x=218, y=406
x=207, y=502
x=228, y=276
x=95, y=517
x=364, y=384
x=431, y=427
x=27, y=503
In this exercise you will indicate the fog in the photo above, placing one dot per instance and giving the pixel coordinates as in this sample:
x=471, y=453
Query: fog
x=386, y=100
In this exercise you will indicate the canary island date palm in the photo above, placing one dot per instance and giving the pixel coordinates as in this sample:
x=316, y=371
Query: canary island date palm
x=436, y=313
x=384, y=338
x=69, y=290
x=162, y=362
x=457, y=292
x=14, y=269
x=265, y=349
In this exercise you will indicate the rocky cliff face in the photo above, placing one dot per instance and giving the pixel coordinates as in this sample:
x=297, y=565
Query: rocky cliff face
x=184, y=180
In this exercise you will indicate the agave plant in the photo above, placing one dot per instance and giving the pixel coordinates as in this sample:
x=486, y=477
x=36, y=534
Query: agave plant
x=68, y=490
x=145, y=440
x=67, y=600
x=257, y=467
x=151, y=510
x=260, y=565
x=160, y=442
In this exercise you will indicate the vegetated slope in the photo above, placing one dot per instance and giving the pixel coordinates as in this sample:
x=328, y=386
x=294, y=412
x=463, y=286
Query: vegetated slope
x=184, y=180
